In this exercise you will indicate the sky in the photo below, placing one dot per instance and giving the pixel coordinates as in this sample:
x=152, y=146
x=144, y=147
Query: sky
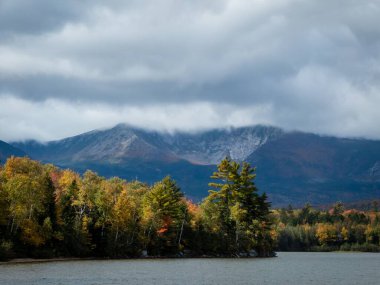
x=67, y=67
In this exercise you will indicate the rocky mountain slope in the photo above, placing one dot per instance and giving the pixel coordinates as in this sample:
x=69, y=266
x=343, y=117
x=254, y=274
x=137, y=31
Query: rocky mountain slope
x=123, y=143
x=292, y=167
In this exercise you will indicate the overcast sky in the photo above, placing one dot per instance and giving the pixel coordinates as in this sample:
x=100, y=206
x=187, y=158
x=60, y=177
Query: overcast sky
x=70, y=66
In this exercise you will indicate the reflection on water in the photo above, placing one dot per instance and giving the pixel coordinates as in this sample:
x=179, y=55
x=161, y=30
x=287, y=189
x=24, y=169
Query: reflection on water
x=287, y=268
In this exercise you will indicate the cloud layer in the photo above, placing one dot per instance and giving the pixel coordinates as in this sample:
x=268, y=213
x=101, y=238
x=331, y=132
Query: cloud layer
x=73, y=66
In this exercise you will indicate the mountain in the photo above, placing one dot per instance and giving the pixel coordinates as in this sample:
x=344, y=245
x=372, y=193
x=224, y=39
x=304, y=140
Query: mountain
x=211, y=147
x=123, y=143
x=292, y=167
x=113, y=146
x=6, y=150
x=320, y=169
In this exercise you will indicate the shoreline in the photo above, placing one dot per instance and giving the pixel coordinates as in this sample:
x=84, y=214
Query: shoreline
x=65, y=259
x=62, y=259
x=42, y=260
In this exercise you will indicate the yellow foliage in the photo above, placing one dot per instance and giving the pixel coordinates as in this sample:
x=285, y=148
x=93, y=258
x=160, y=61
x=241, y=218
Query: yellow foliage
x=31, y=233
x=67, y=178
x=326, y=233
x=345, y=234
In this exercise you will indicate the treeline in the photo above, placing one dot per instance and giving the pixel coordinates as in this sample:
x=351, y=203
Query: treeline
x=309, y=229
x=49, y=212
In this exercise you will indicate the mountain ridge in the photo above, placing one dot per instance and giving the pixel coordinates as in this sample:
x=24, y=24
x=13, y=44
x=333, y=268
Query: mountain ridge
x=7, y=150
x=293, y=167
x=207, y=147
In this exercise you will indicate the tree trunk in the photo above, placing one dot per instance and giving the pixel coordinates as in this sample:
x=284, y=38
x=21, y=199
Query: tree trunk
x=13, y=222
x=180, y=235
x=117, y=234
x=30, y=211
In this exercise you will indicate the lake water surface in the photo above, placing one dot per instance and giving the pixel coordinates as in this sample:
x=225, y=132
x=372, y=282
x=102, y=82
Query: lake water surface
x=287, y=268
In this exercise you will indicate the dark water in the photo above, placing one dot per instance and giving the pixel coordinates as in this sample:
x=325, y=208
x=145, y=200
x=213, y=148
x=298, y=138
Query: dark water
x=287, y=268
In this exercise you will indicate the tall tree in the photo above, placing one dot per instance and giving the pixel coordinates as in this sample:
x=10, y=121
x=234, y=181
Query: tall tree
x=163, y=215
x=29, y=194
x=243, y=214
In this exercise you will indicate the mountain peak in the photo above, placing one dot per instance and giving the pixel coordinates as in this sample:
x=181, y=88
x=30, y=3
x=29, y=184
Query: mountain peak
x=295, y=167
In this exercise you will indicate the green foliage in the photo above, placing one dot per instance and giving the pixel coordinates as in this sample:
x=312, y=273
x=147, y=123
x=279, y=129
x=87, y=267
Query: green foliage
x=46, y=212
x=28, y=189
x=4, y=206
x=6, y=250
x=337, y=229
x=236, y=212
x=164, y=213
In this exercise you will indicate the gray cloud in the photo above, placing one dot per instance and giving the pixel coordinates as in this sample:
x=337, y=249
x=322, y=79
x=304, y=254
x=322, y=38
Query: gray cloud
x=54, y=119
x=309, y=65
x=34, y=17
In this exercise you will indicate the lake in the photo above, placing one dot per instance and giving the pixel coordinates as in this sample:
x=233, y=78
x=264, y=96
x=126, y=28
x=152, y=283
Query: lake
x=287, y=268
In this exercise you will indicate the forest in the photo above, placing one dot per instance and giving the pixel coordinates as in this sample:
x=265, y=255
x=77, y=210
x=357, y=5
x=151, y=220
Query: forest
x=50, y=212
x=309, y=229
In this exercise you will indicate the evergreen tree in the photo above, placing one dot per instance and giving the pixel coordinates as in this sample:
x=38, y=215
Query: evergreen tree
x=164, y=213
x=243, y=214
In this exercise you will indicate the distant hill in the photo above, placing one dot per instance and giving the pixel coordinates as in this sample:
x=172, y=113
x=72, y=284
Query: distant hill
x=319, y=169
x=6, y=151
x=292, y=167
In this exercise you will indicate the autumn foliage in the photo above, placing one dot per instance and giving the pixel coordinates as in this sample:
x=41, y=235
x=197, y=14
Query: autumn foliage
x=46, y=211
x=309, y=229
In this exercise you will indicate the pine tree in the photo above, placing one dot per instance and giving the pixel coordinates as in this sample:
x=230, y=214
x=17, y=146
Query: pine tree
x=243, y=214
x=164, y=213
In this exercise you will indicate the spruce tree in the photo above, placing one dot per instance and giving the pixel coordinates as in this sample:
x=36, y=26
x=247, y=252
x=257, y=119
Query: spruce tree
x=164, y=211
x=243, y=214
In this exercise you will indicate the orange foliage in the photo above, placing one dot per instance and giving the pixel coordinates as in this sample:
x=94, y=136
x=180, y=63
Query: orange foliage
x=165, y=226
x=162, y=230
x=191, y=207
